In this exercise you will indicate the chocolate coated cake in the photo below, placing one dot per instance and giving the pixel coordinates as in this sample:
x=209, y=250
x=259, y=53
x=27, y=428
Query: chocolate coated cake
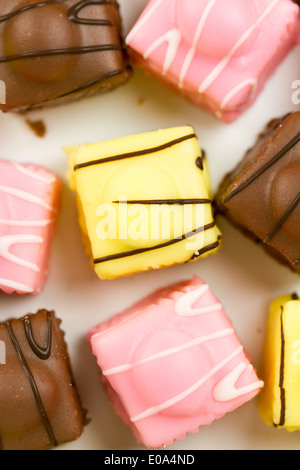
x=261, y=195
x=55, y=51
x=39, y=404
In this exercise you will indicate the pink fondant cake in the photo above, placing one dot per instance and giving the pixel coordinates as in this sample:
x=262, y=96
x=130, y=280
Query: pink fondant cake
x=218, y=53
x=29, y=199
x=172, y=363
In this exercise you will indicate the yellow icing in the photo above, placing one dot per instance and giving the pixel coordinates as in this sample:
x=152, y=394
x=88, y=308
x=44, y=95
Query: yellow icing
x=279, y=402
x=110, y=227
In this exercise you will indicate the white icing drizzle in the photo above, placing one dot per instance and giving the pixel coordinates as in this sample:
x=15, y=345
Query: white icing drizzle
x=225, y=390
x=7, y=241
x=26, y=223
x=183, y=305
x=225, y=61
x=170, y=351
x=2, y=92
x=2, y=352
x=191, y=53
x=26, y=196
x=15, y=285
x=239, y=87
x=173, y=37
x=141, y=23
x=49, y=179
x=181, y=396
x=209, y=309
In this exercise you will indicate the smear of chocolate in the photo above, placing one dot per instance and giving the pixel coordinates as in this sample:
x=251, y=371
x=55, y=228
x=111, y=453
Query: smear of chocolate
x=38, y=127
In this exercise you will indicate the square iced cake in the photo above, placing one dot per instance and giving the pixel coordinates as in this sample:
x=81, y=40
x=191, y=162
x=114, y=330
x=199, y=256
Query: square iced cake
x=217, y=53
x=179, y=363
x=261, y=197
x=56, y=51
x=144, y=201
x=29, y=205
x=40, y=406
x=279, y=400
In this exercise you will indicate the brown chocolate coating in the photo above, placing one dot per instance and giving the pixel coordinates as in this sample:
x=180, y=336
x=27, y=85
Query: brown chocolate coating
x=261, y=196
x=39, y=403
x=54, y=51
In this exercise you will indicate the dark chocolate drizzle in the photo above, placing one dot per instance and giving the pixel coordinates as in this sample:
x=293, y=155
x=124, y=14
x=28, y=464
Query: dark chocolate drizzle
x=93, y=83
x=42, y=352
x=75, y=10
x=289, y=146
x=205, y=249
x=138, y=153
x=281, y=422
x=72, y=16
x=32, y=382
x=285, y=216
x=86, y=85
x=281, y=375
x=55, y=52
x=200, y=160
x=265, y=167
x=138, y=251
x=8, y=16
x=180, y=202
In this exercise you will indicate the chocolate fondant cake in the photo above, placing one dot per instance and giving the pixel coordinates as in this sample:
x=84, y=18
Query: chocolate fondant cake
x=261, y=195
x=39, y=404
x=55, y=51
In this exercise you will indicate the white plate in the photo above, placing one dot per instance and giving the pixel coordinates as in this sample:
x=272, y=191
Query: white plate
x=241, y=275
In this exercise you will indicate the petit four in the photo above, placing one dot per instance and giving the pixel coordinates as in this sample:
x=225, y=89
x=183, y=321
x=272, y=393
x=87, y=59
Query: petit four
x=219, y=54
x=279, y=403
x=29, y=204
x=261, y=195
x=178, y=364
x=39, y=403
x=55, y=51
x=143, y=201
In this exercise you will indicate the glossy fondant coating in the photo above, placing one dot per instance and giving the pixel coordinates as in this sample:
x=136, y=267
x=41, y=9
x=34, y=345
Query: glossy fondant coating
x=218, y=53
x=56, y=51
x=178, y=365
x=145, y=203
x=39, y=402
x=29, y=204
x=261, y=195
x=278, y=402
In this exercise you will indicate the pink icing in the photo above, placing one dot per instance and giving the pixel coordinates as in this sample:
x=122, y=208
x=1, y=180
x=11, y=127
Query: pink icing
x=232, y=22
x=173, y=370
x=29, y=199
x=218, y=53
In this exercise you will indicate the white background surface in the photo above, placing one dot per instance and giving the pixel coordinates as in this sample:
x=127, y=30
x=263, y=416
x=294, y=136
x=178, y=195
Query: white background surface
x=241, y=275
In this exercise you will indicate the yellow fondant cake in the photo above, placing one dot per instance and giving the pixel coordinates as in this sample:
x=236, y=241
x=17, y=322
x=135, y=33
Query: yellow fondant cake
x=279, y=403
x=143, y=201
